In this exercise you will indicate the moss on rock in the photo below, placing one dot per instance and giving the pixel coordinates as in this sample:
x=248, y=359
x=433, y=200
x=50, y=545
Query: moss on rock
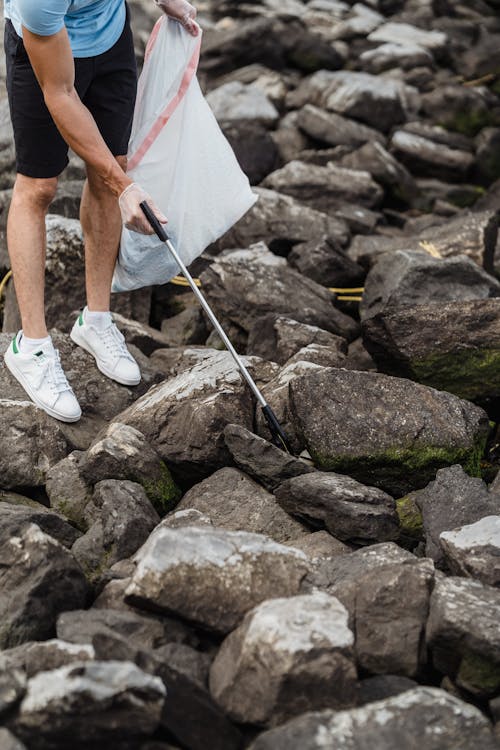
x=162, y=491
x=473, y=374
x=410, y=517
x=479, y=674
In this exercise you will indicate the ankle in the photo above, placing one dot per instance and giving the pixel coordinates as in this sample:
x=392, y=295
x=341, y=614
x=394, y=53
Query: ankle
x=27, y=344
x=100, y=319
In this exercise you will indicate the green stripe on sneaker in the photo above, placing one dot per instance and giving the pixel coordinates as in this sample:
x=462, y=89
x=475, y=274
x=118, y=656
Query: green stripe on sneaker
x=80, y=318
x=14, y=345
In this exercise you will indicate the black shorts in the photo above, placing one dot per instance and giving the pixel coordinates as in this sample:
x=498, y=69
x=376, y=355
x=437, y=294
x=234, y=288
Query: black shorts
x=106, y=84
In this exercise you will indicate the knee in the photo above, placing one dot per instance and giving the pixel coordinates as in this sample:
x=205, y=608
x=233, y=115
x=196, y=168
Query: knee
x=37, y=192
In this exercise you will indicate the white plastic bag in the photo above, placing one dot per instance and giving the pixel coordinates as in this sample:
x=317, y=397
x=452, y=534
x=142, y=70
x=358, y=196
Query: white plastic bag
x=179, y=155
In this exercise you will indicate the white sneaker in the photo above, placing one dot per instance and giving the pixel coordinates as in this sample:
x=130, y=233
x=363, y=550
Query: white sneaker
x=109, y=349
x=42, y=377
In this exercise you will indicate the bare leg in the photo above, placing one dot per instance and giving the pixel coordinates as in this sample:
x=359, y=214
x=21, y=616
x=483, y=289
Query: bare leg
x=26, y=241
x=101, y=224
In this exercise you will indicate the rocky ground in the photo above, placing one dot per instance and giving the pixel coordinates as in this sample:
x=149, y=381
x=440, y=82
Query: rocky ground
x=168, y=578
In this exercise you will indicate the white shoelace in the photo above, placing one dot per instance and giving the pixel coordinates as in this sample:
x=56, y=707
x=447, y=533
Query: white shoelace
x=53, y=371
x=114, y=341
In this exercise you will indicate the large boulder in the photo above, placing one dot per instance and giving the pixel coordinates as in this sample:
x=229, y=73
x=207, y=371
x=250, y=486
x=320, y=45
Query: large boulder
x=474, y=550
x=333, y=129
x=452, y=346
x=38, y=579
x=212, y=577
x=287, y=656
x=424, y=717
x=396, y=437
x=231, y=500
x=425, y=157
x=243, y=285
x=326, y=262
x=277, y=338
x=463, y=634
x=386, y=591
x=349, y=510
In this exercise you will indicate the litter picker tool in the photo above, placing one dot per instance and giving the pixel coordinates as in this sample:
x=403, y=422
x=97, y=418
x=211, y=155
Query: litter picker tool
x=277, y=434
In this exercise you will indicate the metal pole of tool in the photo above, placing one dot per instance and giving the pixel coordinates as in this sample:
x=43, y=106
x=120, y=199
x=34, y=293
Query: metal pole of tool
x=279, y=437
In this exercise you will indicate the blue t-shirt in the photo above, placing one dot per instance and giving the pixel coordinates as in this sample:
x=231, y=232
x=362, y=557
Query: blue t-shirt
x=93, y=25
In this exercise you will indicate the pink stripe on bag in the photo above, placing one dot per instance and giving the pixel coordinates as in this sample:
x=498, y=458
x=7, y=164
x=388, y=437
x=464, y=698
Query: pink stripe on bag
x=168, y=111
x=152, y=38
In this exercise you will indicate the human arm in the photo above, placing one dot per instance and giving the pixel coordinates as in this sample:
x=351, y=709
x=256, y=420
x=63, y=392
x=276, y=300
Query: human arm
x=181, y=11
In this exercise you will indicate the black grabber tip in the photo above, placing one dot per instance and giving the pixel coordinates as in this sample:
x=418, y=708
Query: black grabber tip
x=278, y=437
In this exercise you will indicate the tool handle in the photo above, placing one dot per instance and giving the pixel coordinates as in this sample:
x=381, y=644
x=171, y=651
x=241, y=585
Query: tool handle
x=156, y=225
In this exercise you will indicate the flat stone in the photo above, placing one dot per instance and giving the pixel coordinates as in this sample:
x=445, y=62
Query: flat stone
x=403, y=33
x=334, y=129
x=41, y=656
x=474, y=550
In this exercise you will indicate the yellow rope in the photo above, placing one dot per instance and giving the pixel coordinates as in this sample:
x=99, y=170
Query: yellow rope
x=181, y=281
x=349, y=299
x=4, y=282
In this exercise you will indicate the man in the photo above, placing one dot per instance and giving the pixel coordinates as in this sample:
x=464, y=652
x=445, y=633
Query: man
x=71, y=79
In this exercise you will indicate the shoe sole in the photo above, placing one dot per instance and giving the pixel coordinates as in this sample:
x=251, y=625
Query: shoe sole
x=22, y=381
x=123, y=381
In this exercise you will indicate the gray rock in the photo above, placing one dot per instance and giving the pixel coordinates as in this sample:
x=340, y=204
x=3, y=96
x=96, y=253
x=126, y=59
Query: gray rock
x=361, y=22
x=395, y=55
x=65, y=281
x=12, y=686
x=287, y=656
x=281, y=221
x=452, y=346
x=277, y=338
x=16, y=516
x=176, y=360
x=488, y=153
x=465, y=109
x=67, y=490
x=141, y=335
x=120, y=518
x=400, y=433
x=451, y=500
x=349, y=510
x=383, y=686
x=231, y=500
x=32, y=442
x=379, y=102
x=423, y=156
x=33, y=657
x=38, y=579
x=412, y=277
x=237, y=101
x=325, y=356
x=205, y=398
x=93, y=702
x=386, y=592
x=404, y=33
x=423, y=717
x=244, y=285
x=212, y=577
x=474, y=550
x=319, y=545
x=325, y=188
x=187, y=327
x=122, y=452
x=325, y=262
x=334, y=129
x=261, y=459
x=463, y=635
x=372, y=157
x=9, y=742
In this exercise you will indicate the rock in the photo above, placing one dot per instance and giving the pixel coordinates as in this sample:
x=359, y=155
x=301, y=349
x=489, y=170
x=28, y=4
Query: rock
x=141, y=335
x=255, y=147
x=451, y=500
x=395, y=55
x=233, y=501
x=261, y=459
x=39, y=578
x=462, y=633
x=174, y=361
x=325, y=188
x=244, y=285
x=68, y=492
x=120, y=518
x=277, y=338
x=423, y=156
x=65, y=281
x=452, y=346
x=383, y=686
x=399, y=434
x=281, y=222
x=372, y=157
x=349, y=510
x=32, y=442
x=474, y=550
x=193, y=664
x=320, y=545
x=464, y=109
x=423, y=717
x=12, y=687
x=206, y=398
x=287, y=656
x=488, y=153
x=94, y=702
x=33, y=657
x=9, y=742
x=409, y=278
x=333, y=129
x=237, y=101
x=325, y=262
x=325, y=356
x=386, y=592
x=212, y=577
x=378, y=102
x=16, y=516
x=361, y=22
x=187, y=327
x=404, y=33
x=122, y=452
